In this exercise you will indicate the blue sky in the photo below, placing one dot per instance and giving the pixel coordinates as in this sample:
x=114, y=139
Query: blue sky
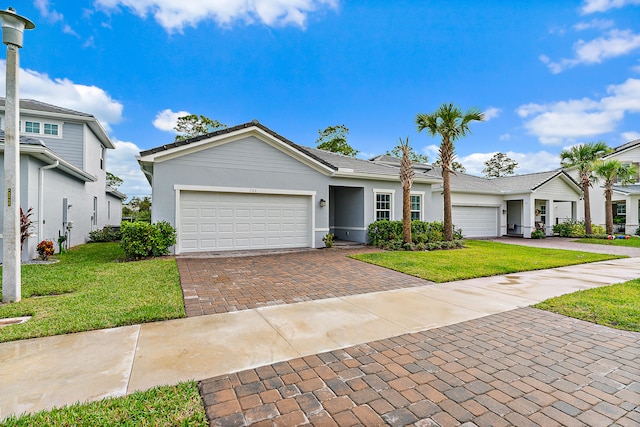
x=548, y=74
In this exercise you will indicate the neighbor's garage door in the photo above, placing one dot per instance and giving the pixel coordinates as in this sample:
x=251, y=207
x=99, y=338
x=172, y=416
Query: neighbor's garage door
x=226, y=221
x=476, y=221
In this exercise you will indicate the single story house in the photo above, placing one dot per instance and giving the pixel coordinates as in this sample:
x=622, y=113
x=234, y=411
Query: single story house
x=62, y=174
x=513, y=205
x=247, y=187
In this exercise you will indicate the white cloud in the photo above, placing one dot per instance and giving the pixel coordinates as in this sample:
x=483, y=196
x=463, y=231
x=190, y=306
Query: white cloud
x=492, y=113
x=65, y=93
x=592, y=6
x=598, y=24
x=505, y=137
x=527, y=162
x=567, y=121
x=166, y=119
x=630, y=136
x=174, y=15
x=122, y=163
x=46, y=11
x=612, y=44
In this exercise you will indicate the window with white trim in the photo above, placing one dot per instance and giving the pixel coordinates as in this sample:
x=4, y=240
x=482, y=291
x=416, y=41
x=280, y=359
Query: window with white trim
x=32, y=127
x=383, y=206
x=621, y=210
x=51, y=129
x=416, y=207
x=94, y=217
x=38, y=128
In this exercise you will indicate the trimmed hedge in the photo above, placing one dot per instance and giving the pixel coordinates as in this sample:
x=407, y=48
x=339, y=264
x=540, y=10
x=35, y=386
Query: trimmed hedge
x=142, y=240
x=428, y=236
x=106, y=234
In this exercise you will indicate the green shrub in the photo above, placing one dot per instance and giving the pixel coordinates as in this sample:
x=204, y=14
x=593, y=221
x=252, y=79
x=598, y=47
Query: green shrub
x=571, y=228
x=141, y=239
x=538, y=234
x=329, y=240
x=387, y=235
x=45, y=249
x=106, y=234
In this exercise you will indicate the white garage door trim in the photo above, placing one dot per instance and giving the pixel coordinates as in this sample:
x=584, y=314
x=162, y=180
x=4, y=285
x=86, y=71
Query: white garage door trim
x=242, y=190
x=491, y=211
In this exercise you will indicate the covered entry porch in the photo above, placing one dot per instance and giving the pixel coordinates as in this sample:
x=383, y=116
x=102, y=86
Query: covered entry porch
x=526, y=215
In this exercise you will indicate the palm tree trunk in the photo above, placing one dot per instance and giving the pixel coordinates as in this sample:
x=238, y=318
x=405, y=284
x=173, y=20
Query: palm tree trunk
x=587, y=208
x=448, y=219
x=609, y=206
x=406, y=214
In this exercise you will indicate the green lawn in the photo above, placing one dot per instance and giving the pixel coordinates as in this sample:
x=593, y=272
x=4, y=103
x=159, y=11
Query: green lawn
x=478, y=259
x=91, y=288
x=633, y=242
x=615, y=306
x=179, y=405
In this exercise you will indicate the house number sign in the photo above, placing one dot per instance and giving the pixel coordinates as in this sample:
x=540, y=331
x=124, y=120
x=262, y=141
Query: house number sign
x=9, y=197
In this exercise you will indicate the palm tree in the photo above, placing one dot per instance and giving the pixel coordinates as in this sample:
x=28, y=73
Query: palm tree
x=406, y=179
x=612, y=171
x=451, y=124
x=582, y=157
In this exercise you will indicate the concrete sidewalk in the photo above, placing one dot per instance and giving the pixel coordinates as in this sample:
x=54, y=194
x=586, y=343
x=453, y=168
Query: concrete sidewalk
x=42, y=373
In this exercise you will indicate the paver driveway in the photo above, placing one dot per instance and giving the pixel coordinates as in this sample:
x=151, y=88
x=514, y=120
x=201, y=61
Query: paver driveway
x=220, y=285
x=525, y=367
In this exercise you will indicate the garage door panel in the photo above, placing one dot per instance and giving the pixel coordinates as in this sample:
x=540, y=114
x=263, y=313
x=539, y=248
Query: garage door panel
x=226, y=221
x=476, y=221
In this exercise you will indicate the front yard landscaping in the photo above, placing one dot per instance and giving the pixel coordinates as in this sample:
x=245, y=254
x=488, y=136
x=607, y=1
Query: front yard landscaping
x=478, y=259
x=91, y=288
x=616, y=306
x=179, y=405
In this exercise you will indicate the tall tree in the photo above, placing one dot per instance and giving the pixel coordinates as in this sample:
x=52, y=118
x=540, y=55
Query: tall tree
x=451, y=124
x=406, y=179
x=334, y=139
x=499, y=165
x=193, y=125
x=113, y=181
x=613, y=171
x=582, y=157
x=455, y=166
x=415, y=157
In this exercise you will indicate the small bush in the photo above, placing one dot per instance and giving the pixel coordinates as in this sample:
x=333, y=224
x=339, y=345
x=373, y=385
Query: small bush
x=387, y=235
x=329, y=239
x=106, y=234
x=638, y=232
x=538, y=234
x=45, y=249
x=141, y=239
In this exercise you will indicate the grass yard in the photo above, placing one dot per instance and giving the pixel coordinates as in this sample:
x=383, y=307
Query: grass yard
x=479, y=259
x=90, y=288
x=615, y=306
x=179, y=405
x=633, y=242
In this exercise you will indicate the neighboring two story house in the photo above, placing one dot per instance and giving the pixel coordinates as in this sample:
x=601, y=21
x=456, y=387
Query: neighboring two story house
x=62, y=174
x=626, y=199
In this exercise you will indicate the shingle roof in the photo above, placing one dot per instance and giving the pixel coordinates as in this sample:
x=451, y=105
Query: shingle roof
x=334, y=161
x=25, y=140
x=32, y=104
x=628, y=189
x=623, y=147
x=513, y=183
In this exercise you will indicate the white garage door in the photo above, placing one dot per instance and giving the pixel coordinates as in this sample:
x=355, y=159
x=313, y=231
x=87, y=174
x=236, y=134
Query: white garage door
x=211, y=221
x=476, y=221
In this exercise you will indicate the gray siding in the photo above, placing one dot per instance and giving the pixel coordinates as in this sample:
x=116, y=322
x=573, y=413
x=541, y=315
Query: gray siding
x=70, y=147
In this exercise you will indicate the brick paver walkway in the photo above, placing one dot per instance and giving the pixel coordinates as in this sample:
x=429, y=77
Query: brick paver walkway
x=220, y=285
x=523, y=367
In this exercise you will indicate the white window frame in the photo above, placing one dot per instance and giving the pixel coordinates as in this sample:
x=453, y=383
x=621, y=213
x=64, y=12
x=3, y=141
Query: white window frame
x=618, y=210
x=419, y=194
x=94, y=218
x=390, y=193
x=41, y=124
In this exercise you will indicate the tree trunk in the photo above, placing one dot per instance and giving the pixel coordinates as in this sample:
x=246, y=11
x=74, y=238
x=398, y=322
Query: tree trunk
x=448, y=219
x=406, y=214
x=609, y=207
x=587, y=207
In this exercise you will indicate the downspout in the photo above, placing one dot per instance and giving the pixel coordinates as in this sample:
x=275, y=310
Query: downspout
x=54, y=165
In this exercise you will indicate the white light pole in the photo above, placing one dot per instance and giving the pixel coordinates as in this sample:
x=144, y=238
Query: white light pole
x=13, y=27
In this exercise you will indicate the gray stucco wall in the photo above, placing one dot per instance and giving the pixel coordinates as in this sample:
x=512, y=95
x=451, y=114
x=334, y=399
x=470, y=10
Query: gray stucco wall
x=253, y=163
